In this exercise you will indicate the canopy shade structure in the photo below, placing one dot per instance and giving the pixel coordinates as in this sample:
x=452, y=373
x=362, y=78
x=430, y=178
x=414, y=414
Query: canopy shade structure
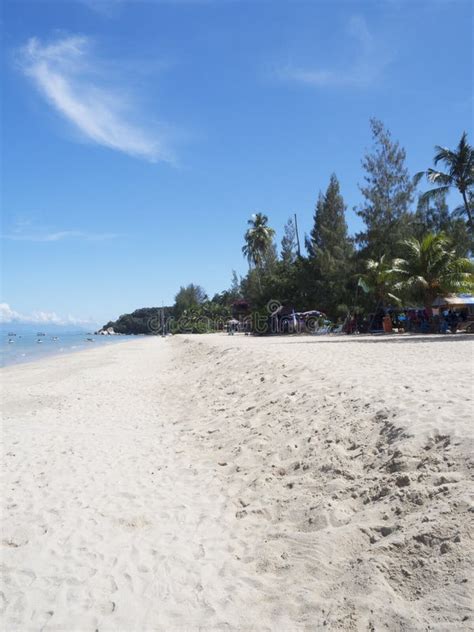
x=233, y=321
x=313, y=312
x=455, y=299
x=283, y=311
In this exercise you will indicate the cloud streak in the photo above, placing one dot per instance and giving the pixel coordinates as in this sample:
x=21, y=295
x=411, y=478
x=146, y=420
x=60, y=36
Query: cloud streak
x=112, y=8
x=20, y=234
x=66, y=74
x=368, y=63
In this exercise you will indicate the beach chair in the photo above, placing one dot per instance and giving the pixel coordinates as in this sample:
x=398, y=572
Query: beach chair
x=323, y=330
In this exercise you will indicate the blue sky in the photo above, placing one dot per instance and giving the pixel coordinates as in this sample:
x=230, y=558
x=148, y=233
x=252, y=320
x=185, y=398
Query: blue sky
x=138, y=138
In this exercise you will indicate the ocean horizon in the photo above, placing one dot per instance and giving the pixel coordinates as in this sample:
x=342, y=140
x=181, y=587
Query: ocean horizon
x=18, y=346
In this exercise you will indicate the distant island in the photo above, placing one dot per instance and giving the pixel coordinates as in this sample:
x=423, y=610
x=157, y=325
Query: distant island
x=141, y=321
x=192, y=312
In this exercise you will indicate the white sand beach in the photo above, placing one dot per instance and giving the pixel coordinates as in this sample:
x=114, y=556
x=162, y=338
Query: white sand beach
x=239, y=483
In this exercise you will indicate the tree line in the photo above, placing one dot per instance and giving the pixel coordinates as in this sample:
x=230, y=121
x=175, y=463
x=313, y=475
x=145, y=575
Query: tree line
x=412, y=247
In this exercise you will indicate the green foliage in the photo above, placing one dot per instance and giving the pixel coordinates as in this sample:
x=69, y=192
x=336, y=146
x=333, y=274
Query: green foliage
x=206, y=317
x=227, y=297
x=330, y=252
x=191, y=313
x=258, y=240
x=329, y=233
x=379, y=281
x=147, y=320
x=430, y=268
x=187, y=298
x=388, y=193
x=433, y=216
x=459, y=174
x=288, y=243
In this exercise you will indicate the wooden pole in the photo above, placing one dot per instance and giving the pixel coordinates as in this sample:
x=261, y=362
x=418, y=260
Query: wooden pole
x=298, y=249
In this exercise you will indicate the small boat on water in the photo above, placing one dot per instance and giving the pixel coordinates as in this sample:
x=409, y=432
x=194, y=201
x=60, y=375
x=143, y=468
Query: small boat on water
x=55, y=338
x=39, y=341
x=11, y=333
x=89, y=339
x=10, y=341
x=40, y=333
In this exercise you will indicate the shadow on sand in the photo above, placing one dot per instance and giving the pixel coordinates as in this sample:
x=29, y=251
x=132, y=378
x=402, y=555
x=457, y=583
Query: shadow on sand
x=379, y=338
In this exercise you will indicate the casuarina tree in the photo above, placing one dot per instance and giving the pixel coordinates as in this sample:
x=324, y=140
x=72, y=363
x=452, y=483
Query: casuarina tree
x=330, y=249
x=388, y=193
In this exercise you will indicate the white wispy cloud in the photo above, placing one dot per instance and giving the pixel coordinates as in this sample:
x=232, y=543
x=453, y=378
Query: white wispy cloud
x=66, y=74
x=112, y=8
x=368, y=62
x=26, y=231
x=60, y=236
x=9, y=315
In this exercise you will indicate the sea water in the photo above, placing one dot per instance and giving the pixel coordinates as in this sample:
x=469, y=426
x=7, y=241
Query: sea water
x=24, y=347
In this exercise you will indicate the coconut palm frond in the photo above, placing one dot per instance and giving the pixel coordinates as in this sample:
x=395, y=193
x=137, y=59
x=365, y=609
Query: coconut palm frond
x=435, y=194
x=379, y=280
x=363, y=284
x=431, y=268
x=443, y=154
x=438, y=177
x=459, y=173
x=418, y=177
x=395, y=299
x=258, y=239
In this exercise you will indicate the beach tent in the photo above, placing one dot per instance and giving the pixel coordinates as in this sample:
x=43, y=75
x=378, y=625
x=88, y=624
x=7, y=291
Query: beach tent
x=313, y=312
x=233, y=325
x=282, y=319
x=455, y=300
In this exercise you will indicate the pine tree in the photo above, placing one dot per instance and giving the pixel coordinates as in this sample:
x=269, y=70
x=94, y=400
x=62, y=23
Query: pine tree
x=234, y=290
x=388, y=193
x=330, y=249
x=329, y=232
x=288, y=243
x=433, y=216
x=312, y=240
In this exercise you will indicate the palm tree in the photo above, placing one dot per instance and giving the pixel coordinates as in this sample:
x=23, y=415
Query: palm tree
x=459, y=174
x=431, y=268
x=258, y=240
x=379, y=280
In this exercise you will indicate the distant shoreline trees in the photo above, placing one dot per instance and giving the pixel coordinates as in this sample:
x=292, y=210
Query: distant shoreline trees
x=402, y=254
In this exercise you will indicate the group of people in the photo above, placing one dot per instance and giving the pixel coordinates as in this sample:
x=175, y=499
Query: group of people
x=450, y=320
x=409, y=320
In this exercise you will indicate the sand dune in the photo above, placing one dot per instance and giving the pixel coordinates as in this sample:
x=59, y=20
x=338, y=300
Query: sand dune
x=237, y=483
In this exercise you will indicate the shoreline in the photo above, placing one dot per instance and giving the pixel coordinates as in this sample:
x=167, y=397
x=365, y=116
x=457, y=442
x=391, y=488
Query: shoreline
x=222, y=482
x=302, y=337
x=63, y=354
